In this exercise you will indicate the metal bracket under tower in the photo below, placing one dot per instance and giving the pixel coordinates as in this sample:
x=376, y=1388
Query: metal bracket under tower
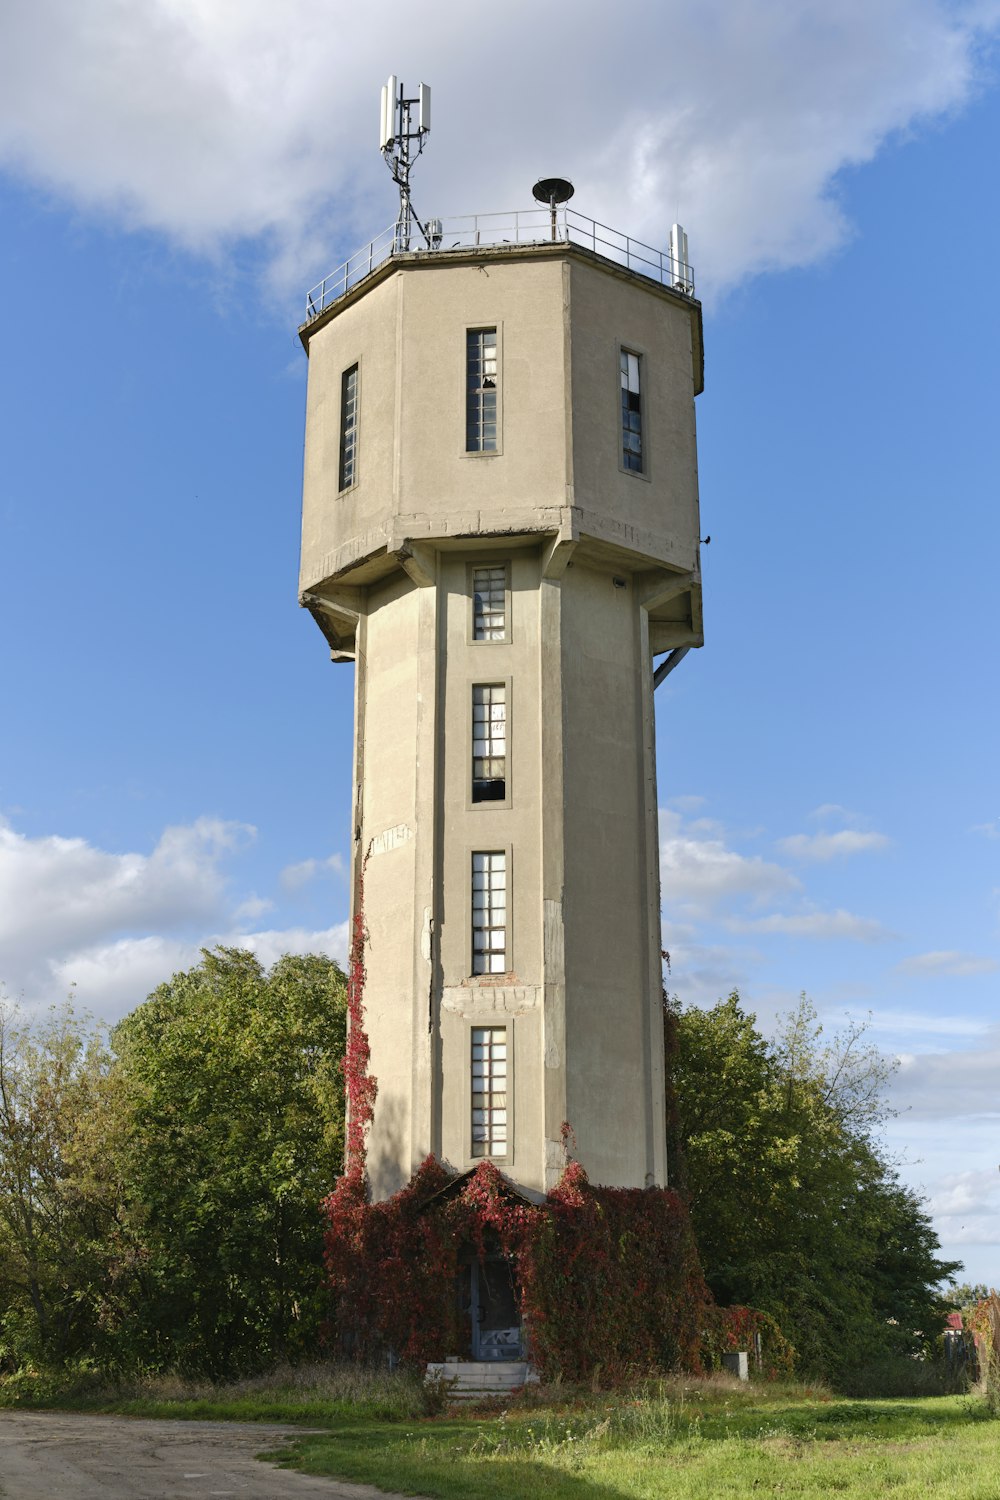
x=668, y=664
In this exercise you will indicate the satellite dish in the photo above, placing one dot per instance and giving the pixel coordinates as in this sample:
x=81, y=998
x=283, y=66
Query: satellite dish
x=552, y=190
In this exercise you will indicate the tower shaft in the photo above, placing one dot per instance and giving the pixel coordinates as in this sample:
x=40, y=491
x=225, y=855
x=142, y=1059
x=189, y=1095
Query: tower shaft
x=500, y=527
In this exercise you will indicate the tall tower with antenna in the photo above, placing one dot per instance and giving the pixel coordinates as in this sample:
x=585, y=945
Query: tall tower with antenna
x=501, y=532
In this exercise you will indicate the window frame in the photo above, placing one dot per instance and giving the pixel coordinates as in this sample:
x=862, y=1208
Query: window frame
x=470, y=573
x=641, y=355
x=346, y=372
x=496, y=802
x=490, y=976
x=492, y=1022
x=497, y=330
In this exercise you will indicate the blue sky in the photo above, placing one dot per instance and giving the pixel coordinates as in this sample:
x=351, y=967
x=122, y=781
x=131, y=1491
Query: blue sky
x=176, y=762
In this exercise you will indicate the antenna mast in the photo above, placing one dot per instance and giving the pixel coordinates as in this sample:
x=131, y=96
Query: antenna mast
x=401, y=144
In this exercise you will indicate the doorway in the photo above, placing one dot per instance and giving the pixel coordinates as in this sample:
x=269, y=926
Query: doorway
x=496, y=1322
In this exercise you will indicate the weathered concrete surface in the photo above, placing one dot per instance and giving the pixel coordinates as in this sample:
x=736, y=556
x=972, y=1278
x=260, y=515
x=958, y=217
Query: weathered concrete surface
x=71, y=1456
x=601, y=574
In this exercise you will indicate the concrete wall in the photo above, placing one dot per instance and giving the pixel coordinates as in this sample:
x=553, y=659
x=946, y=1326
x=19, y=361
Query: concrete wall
x=414, y=475
x=560, y=320
x=389, y=713
x=656, y=511
x=586, y=545
x=614, y=1087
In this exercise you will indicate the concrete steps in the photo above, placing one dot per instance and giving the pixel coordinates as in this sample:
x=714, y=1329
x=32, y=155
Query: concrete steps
x=474, y=1379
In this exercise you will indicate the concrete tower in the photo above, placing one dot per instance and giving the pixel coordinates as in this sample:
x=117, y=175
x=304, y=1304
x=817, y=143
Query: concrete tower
x=500, y=529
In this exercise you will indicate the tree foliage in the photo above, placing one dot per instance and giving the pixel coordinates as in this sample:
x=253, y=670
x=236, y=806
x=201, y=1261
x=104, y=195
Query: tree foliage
x=795, y=1209
x=235, y=1132
x=159, y=1203
x=60, y=1225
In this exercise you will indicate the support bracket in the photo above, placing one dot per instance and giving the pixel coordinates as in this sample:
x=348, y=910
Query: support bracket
x=666, y=666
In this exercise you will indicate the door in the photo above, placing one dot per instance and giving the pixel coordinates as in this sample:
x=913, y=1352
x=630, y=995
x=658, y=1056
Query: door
x=496, y=1324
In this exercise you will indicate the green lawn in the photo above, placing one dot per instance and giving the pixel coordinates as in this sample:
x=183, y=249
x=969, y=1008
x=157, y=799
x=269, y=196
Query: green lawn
x=699, y=1444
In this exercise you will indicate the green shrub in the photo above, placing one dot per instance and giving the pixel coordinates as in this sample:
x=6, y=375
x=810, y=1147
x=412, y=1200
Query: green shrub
x=898, y=1375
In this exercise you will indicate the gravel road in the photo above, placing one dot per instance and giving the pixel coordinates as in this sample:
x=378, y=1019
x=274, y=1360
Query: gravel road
x=63, y=1456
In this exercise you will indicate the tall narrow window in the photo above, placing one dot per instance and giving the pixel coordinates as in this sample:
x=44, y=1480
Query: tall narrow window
x=348, y=427
x=631, y=412
x=489, y=742
x=489, y=603
x=489, y=913
x=489, y=1091
x=481, y=390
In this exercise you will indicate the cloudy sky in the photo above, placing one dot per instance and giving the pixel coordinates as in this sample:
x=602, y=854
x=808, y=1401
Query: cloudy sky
x=175, y=760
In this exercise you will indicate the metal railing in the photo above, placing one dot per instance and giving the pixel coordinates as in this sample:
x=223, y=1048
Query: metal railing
x=532, y=226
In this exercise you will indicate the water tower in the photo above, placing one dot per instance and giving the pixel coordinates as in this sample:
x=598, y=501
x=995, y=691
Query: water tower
x=500, y=531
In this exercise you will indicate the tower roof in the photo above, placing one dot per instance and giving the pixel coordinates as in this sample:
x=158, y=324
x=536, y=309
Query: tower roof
x=524, y=232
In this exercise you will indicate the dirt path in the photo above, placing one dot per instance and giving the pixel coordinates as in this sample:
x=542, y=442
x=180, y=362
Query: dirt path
x=63, y=1456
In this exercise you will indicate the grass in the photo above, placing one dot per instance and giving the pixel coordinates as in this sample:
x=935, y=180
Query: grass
x=682, y=1438
x=318, y=1394
x=689, y=1440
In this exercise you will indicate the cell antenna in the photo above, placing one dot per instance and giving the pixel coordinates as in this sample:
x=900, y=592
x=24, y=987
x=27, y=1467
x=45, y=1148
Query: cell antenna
x=681, y=274
x=404, y=128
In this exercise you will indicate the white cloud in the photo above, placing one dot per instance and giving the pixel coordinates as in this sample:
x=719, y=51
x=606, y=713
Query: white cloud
x=113, y=926
x=293, y=877
x=56, y=893
x=702, y=973
x=965, y=1193
x=815, y=924
x=269, y=946
x=113, y=978
x=900, y=1023
x=947, y=962
x=700, y=874
x=212, y=122
x=828, y=811
x=687, y=804
x=825, y=846
x=988, y=830
x=942, y=1085
x=252, y=907
x=966, y=1209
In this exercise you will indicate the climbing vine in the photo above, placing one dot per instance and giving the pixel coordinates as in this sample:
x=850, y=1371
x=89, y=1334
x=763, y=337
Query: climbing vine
x=729, y=1329
x=360, y=1087
x=605, y=1276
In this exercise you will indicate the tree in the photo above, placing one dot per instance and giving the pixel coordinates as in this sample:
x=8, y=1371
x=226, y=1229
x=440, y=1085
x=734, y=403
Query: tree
x=231, y=1077
x=795, y=1210
x=61, y=1234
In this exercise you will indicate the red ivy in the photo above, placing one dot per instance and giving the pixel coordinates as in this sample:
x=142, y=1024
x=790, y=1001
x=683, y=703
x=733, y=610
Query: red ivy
x=729, y=1329
x=360, y=1087
x=605, y=1276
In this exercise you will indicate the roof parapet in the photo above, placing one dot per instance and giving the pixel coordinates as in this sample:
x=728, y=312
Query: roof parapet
x=532, y=226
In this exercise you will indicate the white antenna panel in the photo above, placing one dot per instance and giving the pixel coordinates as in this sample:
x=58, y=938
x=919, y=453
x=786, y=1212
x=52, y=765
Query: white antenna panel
x=390, y=95
x=680, y=269
x=383, y=139
x=424, y=108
